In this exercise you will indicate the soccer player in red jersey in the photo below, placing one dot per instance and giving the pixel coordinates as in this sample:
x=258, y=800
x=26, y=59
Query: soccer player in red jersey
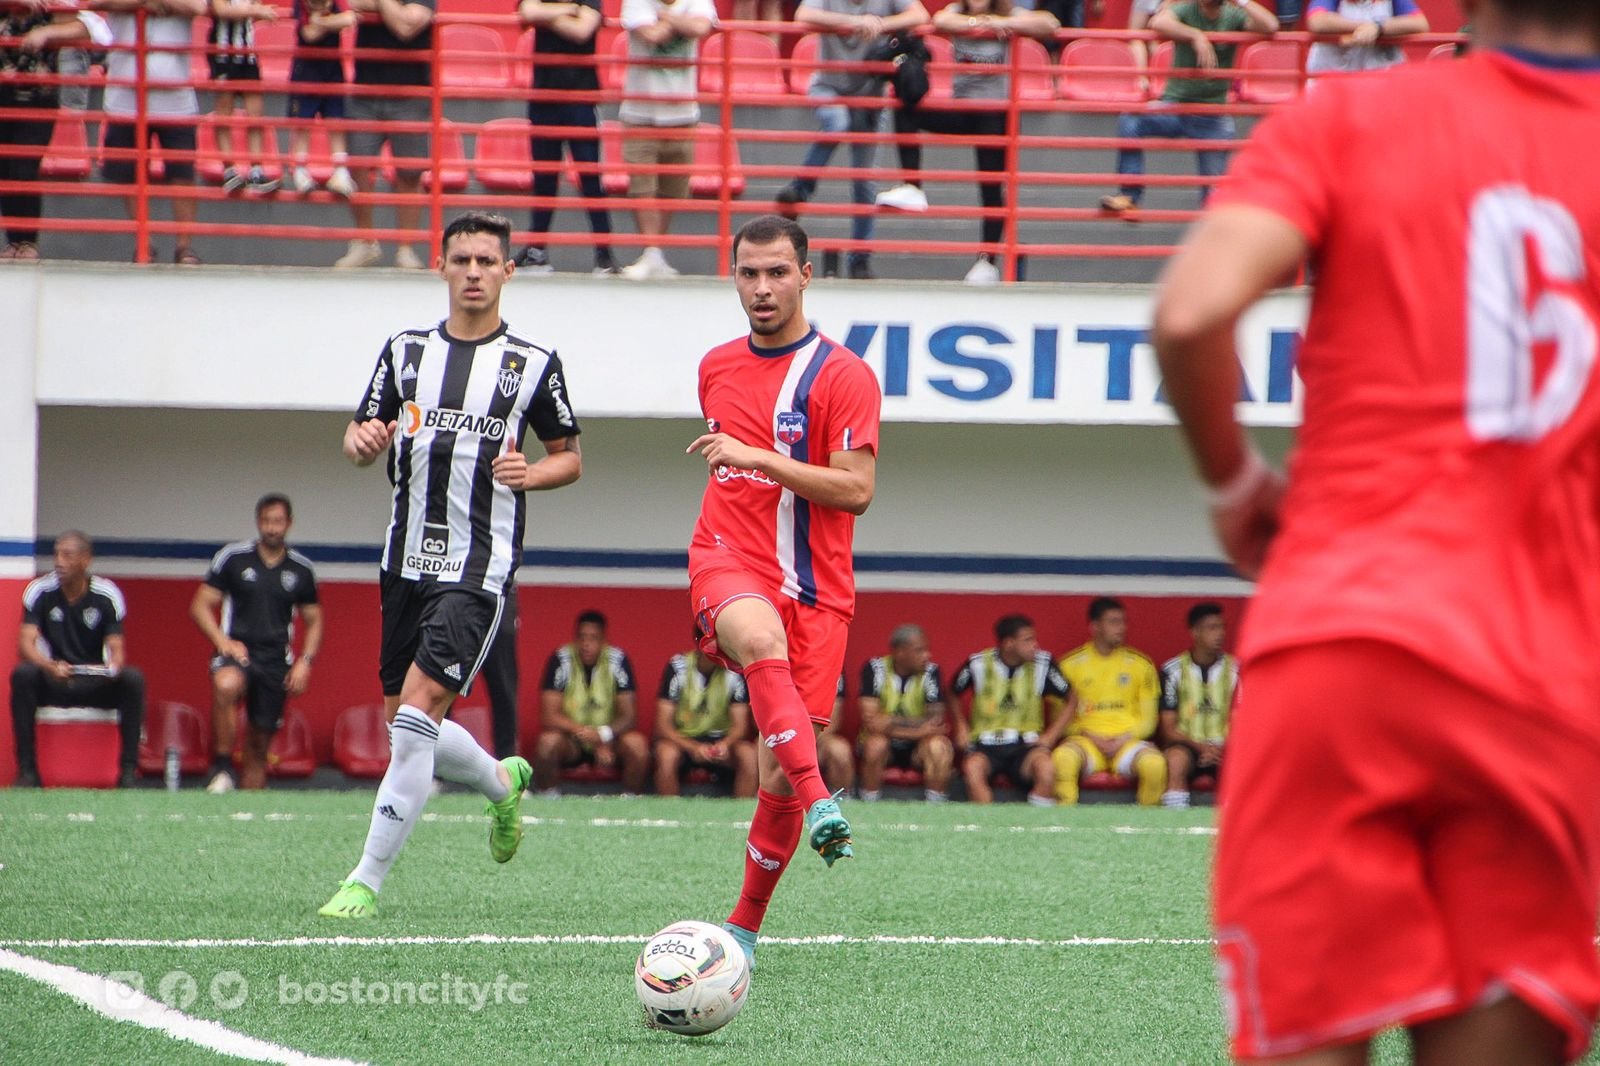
x=791, y=446
x=1410, y=825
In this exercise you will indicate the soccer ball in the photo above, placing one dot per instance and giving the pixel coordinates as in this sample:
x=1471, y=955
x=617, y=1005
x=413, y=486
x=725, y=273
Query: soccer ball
x=691, y=978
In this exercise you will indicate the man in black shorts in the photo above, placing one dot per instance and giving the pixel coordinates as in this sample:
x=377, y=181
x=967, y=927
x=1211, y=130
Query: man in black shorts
x=1015, y=718
x=450, y=404
x=902, y=717
x=256, y=585
x=703, y=721
x=72, y=655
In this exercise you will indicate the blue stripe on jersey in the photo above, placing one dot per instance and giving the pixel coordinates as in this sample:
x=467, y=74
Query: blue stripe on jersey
x=804, y=572
x=1549, y=61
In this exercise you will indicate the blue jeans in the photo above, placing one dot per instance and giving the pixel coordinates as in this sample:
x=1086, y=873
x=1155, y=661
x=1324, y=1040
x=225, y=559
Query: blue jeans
x=836, y=118
x=1212, y=163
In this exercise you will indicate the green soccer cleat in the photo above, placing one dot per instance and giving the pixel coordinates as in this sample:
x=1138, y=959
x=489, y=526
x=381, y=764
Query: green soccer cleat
x=505, y=832
x=353, y=900
x=828, y=831
x=746, y=939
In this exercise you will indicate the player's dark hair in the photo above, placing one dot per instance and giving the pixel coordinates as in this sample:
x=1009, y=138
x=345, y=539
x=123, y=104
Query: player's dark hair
x=590, y=618
x=1101, y=604
x=479, y=222
x=768, y=228
x=905, y=634
x=1201, y=611
x=1554, y=14
x=1011, y=625
x=80, y=537
x=275, y=499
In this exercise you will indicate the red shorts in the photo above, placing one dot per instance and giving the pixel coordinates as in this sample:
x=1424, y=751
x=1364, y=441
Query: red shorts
x=816, y=637
x=1396, y=846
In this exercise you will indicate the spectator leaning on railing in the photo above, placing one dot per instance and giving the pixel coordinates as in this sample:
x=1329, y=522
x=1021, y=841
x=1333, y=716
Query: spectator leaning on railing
x=658, y=93
x=233, y=36
x=390, y=25
x=1190, y=24
x=170, y=104
x=40, y=32
x=318, y=24
x=849, y=28
x=980, y=32
x=1369, y=29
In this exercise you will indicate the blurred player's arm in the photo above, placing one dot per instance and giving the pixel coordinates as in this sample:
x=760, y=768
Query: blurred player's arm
x=28, y=651
x=847, y=483
x=562, y=464
x=405, y=21
x=873, y=720
x=667, y=728
x=576, y=22
x=741, y=724
x=1144, y=726
x=1059, y=714
x=299, y=677
x=553, y=717
x=1230, y=260
x=116, y=652
x=204, y=610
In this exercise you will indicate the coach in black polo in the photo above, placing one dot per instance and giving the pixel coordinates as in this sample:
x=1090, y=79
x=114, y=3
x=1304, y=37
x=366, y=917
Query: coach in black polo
x=72, y=655
x=258, y=585
x=450, y=405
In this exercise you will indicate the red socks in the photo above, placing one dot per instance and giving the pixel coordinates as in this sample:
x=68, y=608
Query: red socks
x=774, y=835
x=785, y=726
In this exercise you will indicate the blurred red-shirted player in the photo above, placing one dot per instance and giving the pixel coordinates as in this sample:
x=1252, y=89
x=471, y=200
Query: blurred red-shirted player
x=792, y=442
x=1410, y=828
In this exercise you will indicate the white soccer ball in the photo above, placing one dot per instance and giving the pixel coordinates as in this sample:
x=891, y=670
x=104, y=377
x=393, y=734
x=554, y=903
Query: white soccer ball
x=691, y=978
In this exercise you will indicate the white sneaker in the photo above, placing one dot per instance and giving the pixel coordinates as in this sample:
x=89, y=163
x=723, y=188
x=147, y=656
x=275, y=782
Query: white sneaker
x=362, y=253
x=1175, y=800
x=934, y=797
x=904, y=198
x=221, y=784
x=341, y=183
x=983, y=272
x=549, y=793
x=406, y=259
x=650, y=264
x=302, y=181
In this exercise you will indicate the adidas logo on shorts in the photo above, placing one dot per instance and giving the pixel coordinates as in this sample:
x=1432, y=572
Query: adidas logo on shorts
x=388, y=811
x=453, y=671
x=780, y=738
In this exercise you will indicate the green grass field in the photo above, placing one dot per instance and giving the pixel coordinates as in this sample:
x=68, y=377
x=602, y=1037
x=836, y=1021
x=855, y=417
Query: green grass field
x=959, y=934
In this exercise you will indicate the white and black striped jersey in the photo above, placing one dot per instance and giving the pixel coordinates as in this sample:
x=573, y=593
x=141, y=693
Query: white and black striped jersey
x=458, y=403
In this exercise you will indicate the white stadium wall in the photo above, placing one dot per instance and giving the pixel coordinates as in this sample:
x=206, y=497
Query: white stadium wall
x=1027, y=461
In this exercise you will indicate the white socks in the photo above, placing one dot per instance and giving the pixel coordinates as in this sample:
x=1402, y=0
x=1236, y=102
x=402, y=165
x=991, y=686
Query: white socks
x=1175, y=800
x=934, y=797
x=401, y=794
x=1041, y=801
x=871, y=795
x=458, y=758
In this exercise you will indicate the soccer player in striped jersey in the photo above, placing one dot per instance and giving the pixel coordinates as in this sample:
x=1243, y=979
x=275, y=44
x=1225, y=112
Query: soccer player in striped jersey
x=1410, y=824
x=450, y=405
x=791, y=451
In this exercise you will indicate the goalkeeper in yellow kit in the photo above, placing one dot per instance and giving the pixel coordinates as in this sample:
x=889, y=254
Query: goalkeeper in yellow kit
x=1112, y=714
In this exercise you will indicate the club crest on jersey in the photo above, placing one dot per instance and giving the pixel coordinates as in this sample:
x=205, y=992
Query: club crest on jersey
x=91, y=617
x=290, y=579
x=510, y=378
x=791, y=426
x=713, y=426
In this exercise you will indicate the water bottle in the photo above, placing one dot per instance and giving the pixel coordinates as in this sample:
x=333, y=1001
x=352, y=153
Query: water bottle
x=173, y=773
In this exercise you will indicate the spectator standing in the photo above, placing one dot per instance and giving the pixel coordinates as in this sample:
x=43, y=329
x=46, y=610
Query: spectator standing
x=318, y=24
x=703, y=721
x=42, y=33
x=1197, y=692
x=1016, y=691
x=170, y=104
x=849, y=29
x=233, y=60
x=658, y=96
x=1071, y=13
x=1370, y=30
x=257, y=586
x=903, y=717
x=1190, y=24
x=588, y=711
x=565, y=31
x=390, y=25
x=980, y=33
x=1113, y=711
x=71, y=653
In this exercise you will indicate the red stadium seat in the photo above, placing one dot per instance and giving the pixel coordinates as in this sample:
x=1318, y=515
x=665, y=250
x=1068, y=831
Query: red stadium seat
x=1160, y=63
x=613, y=180
x=902, y=777
x=168, y=724
x=275, y=43
x=210, y=165
x=290, y=754
x=502, y=156
x=588, y=773
x=67, y=157
x=1115, y=86
x=157, y=167
x=1105, y=781
x=707, y=184
x=803, y=63
x=361, y=741
x=472, y=57
x=1038, y=79
x=522, y=60
x=454, y=162
x=1442, y=51
x=613, y=56
x=1278, y=60
x=756, y=65
x=76, y=747
x=941, y=70
x=476, y=720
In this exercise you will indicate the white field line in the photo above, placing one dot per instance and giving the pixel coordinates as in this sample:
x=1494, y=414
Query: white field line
x=595, y=938
x=124, y=1003
x=648, y=823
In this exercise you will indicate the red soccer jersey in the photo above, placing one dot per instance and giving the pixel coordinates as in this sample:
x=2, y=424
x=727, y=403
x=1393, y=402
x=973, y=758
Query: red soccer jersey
x=1445, y=493
x=807, y=401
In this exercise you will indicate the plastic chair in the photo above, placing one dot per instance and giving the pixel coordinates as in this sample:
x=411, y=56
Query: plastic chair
x=453, y=153
x=501, y=156
x=803, y=63
x=613, y=180
x=472, y=57
x=1099, y=87
x=210, y=165
x=707, y=183
x=157, y=167
x=757, y=67
x=941, y=69
x=76, y=747
x=275, y=43
x=613, y=72
x=169, y=724
x=522, y=61
x=291, y=753
x=361, y=741
x=1160, y=64
x=67, y=157
x=1279, y=58
x=1037, y=80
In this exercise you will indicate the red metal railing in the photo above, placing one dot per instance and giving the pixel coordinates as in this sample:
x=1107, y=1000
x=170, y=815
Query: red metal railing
x=730, y=101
